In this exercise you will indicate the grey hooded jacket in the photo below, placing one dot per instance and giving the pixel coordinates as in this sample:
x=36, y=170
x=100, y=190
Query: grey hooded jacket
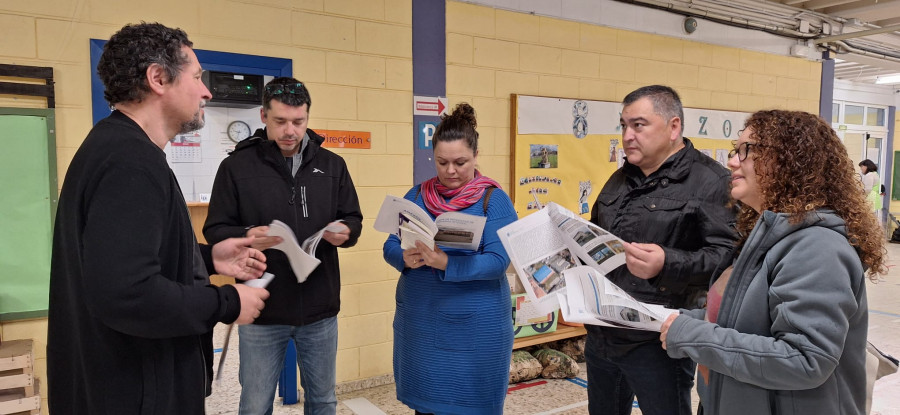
x=790, y=337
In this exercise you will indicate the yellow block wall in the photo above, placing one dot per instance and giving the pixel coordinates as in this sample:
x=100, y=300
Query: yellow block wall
x=355, y=56
x=493, y=53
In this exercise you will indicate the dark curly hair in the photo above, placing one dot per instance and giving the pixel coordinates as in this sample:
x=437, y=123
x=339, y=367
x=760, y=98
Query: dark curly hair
x=801, y=166
x=128, y=53
x=458, y=125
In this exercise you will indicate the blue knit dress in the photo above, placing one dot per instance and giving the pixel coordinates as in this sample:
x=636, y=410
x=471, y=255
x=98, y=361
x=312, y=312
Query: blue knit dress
x=453, y=329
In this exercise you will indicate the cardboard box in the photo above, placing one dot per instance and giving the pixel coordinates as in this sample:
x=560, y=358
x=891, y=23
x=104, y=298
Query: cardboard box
x=540, y=325
x=515, y=284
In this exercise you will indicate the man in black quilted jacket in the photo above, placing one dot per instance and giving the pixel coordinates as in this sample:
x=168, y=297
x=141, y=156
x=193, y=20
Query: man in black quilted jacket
x=670, y=203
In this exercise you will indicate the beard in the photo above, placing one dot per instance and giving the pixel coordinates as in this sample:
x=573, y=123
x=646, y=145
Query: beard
x=194, y=124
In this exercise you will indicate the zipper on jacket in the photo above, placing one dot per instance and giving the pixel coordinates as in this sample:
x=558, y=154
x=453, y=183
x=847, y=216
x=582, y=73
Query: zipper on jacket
x=293, y=195
x=303, y=200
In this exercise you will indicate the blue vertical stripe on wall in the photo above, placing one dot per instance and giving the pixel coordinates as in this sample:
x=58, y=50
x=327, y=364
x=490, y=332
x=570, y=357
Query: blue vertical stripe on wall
x=429, y=60
x=826, y=94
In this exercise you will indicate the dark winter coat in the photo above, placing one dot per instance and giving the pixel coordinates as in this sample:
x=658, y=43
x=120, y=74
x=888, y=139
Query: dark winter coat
x=253, y=187
x=683, y=207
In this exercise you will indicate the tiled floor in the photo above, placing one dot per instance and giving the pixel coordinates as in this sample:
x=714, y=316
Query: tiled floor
x=568, y=397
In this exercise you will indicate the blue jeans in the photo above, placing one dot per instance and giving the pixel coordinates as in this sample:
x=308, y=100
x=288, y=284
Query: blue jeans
x=262, y=359
x=662, y=384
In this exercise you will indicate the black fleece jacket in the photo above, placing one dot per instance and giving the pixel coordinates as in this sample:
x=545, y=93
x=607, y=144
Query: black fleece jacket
x=131, y=308
x=253, y=187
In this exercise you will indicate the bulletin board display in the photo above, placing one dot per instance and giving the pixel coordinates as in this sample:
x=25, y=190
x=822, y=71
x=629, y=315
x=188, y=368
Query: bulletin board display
x=565, y=149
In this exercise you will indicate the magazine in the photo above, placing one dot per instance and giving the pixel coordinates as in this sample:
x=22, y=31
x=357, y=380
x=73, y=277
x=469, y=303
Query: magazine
x=411, y=223
x=547, y=249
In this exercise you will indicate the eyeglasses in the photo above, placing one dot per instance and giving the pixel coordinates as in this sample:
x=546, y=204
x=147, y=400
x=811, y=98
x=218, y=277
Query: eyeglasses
x=742, y=150
x=278, y=89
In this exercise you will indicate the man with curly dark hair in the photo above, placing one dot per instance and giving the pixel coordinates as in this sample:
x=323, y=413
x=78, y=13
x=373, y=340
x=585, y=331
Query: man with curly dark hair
x=131, y=308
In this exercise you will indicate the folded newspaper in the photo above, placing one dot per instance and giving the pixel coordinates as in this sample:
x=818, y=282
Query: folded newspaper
x=547, y=248
x=302, y=257
x=411, y=223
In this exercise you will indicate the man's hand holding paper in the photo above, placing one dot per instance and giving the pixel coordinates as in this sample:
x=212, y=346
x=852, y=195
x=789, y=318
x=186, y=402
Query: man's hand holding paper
x=261, y=241
x=336, y=233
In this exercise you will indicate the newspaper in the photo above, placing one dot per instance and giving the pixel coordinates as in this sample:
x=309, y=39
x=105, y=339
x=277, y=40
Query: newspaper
x=411, y=223
x=302, y=257
x=547, y=249
x=591, y=298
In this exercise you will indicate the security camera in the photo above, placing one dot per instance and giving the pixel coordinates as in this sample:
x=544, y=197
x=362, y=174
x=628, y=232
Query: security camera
x=690, y=25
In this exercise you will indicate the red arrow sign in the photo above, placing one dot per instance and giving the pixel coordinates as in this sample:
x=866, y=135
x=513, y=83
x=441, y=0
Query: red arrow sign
x=434, y=106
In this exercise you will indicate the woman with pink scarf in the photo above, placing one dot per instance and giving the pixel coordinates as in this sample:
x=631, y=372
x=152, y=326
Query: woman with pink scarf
x=452, y=328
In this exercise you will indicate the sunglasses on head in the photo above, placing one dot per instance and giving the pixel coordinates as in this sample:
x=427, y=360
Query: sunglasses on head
x=277, y=89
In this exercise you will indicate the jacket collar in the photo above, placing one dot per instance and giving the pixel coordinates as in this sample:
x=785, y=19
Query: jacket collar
x=674, y=169
x=270, y=149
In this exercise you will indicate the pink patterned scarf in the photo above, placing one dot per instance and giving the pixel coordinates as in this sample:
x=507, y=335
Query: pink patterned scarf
x=434, y=193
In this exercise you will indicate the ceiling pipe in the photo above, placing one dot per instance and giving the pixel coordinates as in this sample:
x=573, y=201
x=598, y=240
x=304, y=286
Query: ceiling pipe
x=721, y=18
x=868, y=54
x=861, y=33
x=724, y=9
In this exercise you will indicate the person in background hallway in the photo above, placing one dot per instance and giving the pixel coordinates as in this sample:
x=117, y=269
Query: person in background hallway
x=282, y=172
x=131, y=308
x=670, y=202
x=452, y=333
x=871, y=184
x=785, y=327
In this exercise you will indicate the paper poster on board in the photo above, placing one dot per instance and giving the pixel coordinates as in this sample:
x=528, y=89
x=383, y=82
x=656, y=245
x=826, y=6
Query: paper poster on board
x=565, y=149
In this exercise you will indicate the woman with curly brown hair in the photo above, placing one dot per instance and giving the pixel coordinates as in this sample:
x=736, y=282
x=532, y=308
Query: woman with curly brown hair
x=784, y=331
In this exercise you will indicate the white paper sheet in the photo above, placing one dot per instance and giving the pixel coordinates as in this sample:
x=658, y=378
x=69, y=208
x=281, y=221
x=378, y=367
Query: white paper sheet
x=302, y=263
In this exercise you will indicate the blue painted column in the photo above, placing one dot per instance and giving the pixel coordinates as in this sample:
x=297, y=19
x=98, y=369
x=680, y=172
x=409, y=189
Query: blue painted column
x=429, y=60
x=826, y=94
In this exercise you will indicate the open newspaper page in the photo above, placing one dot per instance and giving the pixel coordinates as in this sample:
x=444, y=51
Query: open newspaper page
x=312, y=243
x=539, y=255
x=411, y=223
x=545, y=248
x=595, y=246
x=301, y=262
x=591, y=298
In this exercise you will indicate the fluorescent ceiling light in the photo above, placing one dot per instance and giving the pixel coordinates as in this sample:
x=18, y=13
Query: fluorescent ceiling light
x=889, y=79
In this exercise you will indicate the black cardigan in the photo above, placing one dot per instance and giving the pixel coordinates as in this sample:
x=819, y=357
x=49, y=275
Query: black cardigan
x=130, y=301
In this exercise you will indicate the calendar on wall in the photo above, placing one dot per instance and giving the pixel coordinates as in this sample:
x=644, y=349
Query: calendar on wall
x=194, y=157
x=185, y=148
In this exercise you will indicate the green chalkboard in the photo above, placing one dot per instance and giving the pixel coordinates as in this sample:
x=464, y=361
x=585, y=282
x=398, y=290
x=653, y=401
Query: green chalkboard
x=29, y=185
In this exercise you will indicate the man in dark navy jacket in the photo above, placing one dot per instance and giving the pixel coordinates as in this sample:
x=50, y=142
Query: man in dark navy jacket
x=283, y=173
x=131, y=307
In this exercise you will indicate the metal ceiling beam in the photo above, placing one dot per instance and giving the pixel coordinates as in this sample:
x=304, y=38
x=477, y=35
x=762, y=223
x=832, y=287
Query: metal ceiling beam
x=872, y=61
x=861, y=33
x=887, y=22
x=864, y=72
x=821, y=4
x=866, y=13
